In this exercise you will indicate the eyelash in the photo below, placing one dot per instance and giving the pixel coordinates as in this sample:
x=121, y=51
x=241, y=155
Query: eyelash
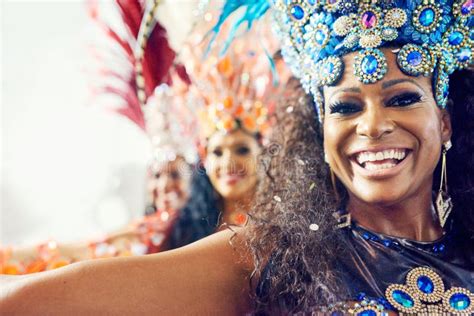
x=344, y=108
x=402, y=100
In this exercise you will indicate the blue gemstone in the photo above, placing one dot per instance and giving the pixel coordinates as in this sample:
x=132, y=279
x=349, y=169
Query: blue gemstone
x=320, y=37
x=360, y=296
x=403, y=299
x=328, y=69
x=459, y=301
x=455, y=38
x=464, y=54
x=297, y=12
x=414, y=58
x=425, y=284
x=369, y=64
x=367, y=312
x=427, y=17
x=312, y=2
x=387, y=242
x=366, y=235
x=445, y=92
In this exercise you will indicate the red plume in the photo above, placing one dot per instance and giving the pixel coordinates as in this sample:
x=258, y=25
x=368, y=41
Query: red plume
x=120, y=81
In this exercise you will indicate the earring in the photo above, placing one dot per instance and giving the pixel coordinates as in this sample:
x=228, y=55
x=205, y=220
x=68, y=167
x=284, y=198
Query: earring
x=326, y=158
x=444, y=205
x=343, y=219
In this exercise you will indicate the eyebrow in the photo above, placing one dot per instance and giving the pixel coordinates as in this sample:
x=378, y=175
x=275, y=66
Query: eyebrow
x=351, y=89
x=391, y=83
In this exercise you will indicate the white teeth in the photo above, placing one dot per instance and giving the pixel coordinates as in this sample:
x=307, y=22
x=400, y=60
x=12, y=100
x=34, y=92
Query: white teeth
x=372, y=166
x=367, y=156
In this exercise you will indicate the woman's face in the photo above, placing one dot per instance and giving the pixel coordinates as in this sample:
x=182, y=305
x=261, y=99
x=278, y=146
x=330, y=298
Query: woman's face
x=231, y=163
x=383, y=140
x=169, y=184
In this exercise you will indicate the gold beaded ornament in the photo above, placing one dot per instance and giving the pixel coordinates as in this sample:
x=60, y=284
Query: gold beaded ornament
x=424, y=294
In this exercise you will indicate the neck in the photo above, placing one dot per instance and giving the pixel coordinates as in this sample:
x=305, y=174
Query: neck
x=232, y=207
x=410, y=219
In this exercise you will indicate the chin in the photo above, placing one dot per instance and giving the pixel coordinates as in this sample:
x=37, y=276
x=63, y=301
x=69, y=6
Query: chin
x=380, y=196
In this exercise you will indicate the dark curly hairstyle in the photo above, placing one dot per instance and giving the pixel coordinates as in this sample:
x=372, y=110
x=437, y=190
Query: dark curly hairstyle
x=200, y=216
x=297, y=192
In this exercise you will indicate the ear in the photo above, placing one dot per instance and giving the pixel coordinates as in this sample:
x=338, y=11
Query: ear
x=446, y=128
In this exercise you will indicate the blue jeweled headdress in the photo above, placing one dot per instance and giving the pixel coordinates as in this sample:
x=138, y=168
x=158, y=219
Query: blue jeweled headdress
x=432, y=38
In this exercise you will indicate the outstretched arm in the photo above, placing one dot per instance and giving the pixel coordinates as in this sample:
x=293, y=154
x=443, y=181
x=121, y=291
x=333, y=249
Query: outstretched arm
x=207, y=277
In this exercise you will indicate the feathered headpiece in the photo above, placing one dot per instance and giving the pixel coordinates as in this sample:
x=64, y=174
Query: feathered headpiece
x=116, y=60
x=234, y=90
x=435, y=37
x=138, y=76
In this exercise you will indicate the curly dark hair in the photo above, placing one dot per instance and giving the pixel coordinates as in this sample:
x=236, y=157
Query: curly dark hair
x=297, y=191
x=200, y=216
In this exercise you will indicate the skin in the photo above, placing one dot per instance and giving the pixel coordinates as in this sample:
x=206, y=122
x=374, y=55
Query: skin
x=210, y=276
x=169, y=184
x=231, y=164
x=380, y=116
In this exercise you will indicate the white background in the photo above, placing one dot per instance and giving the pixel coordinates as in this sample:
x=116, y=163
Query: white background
x=69, y=169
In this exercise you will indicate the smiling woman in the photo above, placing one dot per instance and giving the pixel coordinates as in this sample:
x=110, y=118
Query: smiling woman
x=392, y=239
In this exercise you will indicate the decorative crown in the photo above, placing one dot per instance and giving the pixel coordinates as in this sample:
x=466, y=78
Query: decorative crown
x=234, y=90
x=434, y=37
x=171, y=133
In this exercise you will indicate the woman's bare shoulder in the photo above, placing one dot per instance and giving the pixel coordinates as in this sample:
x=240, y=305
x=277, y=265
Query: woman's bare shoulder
x=209, y=276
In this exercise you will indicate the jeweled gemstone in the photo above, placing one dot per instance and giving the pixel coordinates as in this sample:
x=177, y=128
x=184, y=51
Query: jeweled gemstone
x=414, y=58
x=297, y=12
x=464, y=54
x=328, y=68
x=312, y=2
x=369, y=64
x=369, y=19
x=320, y=37
x=367, y=312
x=425, y=284
x=332, y=1
x=387, y=243
x=427, y=17
x=467, y=7
x=445, y=95
x=403, y=299
x=459, y=301
x=455, y=38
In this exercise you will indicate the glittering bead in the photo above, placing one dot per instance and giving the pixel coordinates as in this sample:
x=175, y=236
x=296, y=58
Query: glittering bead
x=297, y=12
x=403, y=299
x=425, y=284
x=427, y=17
x=369, y=20
x=459, y=301
x=455, y=38
x=367, y=313
x=369, y=64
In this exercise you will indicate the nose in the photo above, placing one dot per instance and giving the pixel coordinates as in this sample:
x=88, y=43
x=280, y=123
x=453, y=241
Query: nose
x=227, y=160
x=375, y=122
